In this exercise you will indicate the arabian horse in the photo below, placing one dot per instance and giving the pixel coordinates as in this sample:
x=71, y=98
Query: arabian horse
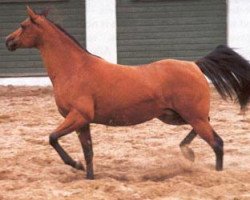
x=88, y=89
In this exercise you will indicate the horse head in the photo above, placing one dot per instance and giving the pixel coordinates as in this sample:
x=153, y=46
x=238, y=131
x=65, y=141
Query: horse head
x=28, y=35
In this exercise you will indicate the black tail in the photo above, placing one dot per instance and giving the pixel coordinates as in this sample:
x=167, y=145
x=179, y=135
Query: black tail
x=229, y=72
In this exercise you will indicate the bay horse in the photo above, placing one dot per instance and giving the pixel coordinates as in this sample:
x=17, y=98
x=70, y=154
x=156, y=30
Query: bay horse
x=88, y=89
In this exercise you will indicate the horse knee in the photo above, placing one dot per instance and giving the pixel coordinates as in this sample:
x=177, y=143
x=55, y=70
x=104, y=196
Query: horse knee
x=52, y=139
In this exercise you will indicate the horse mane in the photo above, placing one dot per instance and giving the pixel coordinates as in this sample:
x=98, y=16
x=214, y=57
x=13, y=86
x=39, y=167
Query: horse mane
x=72, y=38
x=45, y=12
x=67, y=34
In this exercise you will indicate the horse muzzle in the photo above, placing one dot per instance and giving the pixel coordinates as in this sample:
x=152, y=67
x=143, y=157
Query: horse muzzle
x=11, y=44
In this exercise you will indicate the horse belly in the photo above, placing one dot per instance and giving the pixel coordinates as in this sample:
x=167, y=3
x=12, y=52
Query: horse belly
x=129, y=116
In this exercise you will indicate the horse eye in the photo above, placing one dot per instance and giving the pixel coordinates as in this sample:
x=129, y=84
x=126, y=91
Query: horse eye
x=23, y=26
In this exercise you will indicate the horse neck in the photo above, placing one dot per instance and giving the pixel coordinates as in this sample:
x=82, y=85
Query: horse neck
x=61, y=55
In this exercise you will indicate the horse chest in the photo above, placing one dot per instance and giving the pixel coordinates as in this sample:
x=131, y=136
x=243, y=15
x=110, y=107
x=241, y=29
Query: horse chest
x=63, y=104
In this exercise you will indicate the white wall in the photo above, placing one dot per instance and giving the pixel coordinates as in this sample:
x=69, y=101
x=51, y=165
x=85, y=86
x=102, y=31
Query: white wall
x=239, y=26
x=101, y=28
x=29, y=81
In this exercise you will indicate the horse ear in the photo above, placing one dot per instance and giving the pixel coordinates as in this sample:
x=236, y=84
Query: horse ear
x=33, y=16
x=45, y=12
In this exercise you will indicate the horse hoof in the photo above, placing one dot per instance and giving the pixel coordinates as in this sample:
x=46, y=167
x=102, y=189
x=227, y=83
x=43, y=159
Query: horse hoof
x=79, y=166
x=90, y=177
x=219, y=169
x=188, y=153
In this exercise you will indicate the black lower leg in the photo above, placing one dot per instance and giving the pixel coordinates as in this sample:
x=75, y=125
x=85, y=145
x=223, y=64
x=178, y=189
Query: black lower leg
x=187, y=152
x=189, y=138
x=88, y=154
x=218, y=149
x=65, y=157
x=86, y=142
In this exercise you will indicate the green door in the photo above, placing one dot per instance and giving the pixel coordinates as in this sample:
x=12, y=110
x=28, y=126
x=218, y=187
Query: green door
x=70, y=14
x=149, y=30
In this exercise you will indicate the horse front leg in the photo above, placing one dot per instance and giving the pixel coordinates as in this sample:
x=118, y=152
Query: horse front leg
x=86, y=142
x=73, y=121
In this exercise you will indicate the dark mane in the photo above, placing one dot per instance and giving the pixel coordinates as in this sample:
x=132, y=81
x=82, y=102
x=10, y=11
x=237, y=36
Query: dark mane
x=45, y=12
x=71, y=37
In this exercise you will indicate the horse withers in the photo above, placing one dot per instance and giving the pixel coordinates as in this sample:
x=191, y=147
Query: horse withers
x=89, y=89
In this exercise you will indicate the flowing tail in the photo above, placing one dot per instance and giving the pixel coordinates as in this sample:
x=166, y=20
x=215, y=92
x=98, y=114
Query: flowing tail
x=229, y=72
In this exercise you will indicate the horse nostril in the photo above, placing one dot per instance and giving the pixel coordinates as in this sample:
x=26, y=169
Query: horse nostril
x=7, y=42
x=10, y=44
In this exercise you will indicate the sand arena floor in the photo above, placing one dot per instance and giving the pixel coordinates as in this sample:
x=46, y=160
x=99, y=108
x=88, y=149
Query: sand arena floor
x=139, y=162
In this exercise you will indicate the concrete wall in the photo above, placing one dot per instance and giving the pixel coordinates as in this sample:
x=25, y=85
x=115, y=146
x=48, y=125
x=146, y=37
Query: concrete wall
x=100, y=38
x=101, y=33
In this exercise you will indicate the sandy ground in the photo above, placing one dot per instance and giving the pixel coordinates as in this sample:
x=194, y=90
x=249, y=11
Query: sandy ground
x=138, y=162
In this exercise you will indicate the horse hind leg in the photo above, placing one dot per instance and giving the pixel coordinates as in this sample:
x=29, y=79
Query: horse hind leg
x=173, y=118
x=201, y=128
x=206, y=132
x=187, y=152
